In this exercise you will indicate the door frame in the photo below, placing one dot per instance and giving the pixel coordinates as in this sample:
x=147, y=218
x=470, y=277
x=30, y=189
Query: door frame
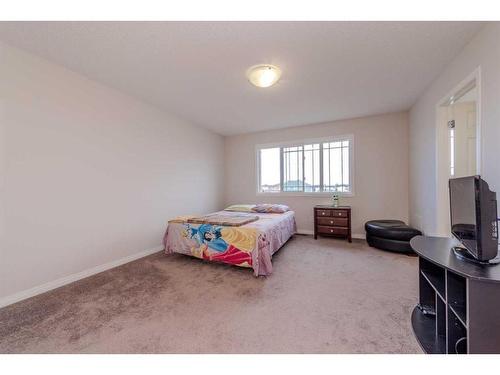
x=441, y=172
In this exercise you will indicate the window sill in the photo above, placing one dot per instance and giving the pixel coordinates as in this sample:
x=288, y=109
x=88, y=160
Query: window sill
x=299, y=194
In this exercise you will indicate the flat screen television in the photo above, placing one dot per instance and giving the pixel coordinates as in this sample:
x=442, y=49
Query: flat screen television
x=473, y=209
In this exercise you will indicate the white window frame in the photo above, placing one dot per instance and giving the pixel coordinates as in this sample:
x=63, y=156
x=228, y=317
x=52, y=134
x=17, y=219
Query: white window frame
x=347, y=137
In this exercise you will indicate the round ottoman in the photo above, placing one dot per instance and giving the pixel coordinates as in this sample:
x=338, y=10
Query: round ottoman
x=391, y=235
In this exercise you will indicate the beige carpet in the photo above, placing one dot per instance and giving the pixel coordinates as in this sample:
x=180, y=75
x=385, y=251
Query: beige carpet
x=325, y=296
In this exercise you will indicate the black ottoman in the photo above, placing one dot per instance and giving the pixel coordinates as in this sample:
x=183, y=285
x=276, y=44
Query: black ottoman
x=392, y=235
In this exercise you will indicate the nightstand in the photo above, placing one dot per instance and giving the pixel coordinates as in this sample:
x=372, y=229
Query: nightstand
x=332, y=221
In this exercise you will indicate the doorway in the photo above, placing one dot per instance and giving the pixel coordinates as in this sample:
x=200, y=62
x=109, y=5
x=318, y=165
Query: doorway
x=458, y=152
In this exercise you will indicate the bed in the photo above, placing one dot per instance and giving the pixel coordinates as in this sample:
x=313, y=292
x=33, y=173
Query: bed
x=250, y=245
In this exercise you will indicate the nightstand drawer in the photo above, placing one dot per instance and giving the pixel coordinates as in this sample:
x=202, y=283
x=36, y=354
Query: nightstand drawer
x=333, y=221
x=339, y=213
x=332, y=230
x=322, y=213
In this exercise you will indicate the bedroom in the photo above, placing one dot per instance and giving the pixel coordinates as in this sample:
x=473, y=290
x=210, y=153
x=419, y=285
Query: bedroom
x=130, y=149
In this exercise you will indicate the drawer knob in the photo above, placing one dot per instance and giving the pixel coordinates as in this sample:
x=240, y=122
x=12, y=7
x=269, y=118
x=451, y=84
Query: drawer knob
x=340, y=214
x=331, y=230
x=322, y=213
x=331, y=221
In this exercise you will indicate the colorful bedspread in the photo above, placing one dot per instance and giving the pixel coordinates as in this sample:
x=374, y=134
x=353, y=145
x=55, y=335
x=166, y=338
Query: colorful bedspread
x=251, y=245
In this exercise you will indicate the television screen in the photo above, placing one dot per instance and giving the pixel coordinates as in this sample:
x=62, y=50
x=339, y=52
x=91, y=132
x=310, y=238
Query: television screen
x=473, y=212
x=463, y=212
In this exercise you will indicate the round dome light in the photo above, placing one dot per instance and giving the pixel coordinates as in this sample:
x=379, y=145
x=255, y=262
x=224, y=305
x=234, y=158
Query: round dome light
x=263, y=75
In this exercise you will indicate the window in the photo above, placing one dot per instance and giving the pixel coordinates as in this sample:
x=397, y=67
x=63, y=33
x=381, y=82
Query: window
x=318, y=166
x=270, y=170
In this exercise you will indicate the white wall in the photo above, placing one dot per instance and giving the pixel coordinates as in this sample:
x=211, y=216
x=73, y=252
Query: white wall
x=89, y=175
x=380, y=168
x=483, y=51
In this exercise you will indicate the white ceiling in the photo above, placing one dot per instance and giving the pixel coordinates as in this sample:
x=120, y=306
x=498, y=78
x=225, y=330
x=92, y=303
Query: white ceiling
x=196, y=70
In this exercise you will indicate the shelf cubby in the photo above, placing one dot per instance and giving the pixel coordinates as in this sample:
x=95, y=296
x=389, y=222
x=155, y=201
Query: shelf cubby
x=457, y=295
x=440, y=318
x=435, y=276
x=429, y=318
x=457, y=334
x=424, y=326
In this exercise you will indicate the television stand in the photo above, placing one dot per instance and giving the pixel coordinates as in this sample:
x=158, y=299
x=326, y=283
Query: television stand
x=459, y=301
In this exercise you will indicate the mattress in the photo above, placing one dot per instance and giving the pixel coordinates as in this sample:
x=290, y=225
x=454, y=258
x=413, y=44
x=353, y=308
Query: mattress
x=251, y=245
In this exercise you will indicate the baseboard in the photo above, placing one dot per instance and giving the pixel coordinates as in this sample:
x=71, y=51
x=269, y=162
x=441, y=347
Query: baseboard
x=8, y=300
x=358, y=236
x=305, y=231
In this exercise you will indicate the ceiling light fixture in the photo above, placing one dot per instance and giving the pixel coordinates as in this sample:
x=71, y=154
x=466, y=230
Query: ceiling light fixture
x=263, y=75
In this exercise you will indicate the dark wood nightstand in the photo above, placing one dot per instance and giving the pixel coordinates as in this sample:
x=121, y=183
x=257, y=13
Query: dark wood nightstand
x=332, y=221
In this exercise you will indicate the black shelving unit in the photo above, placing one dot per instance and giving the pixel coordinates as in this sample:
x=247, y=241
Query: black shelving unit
x=459, y=301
